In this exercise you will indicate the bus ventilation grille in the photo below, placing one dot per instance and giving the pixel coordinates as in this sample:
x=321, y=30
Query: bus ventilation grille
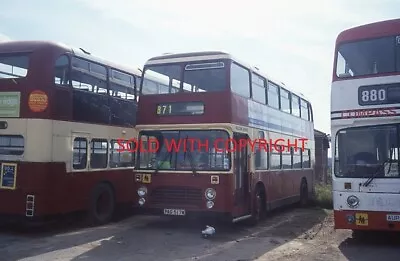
x=176, y=196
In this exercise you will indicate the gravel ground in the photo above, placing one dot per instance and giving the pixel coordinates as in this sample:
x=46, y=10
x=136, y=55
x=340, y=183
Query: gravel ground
x=290, y=235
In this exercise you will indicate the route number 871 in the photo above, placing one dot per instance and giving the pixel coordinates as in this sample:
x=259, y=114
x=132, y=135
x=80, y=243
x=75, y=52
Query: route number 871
x=373, y=95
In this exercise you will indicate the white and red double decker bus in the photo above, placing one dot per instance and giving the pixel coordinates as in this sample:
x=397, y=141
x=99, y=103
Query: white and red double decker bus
x=61, y=113
x=365, y=123
x=208, y=103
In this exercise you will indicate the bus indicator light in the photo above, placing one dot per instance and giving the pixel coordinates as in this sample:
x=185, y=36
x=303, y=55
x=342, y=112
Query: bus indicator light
x=214, y=180
x=3, y=125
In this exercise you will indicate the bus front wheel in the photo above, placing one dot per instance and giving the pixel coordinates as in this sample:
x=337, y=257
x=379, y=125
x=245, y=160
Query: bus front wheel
x=102, y=204
x=359, y=234
x=258, y=212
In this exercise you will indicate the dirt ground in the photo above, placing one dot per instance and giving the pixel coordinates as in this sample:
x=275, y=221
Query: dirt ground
x=290, y=235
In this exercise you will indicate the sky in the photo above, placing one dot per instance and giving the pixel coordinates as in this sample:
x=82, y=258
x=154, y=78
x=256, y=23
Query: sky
x=292, y=41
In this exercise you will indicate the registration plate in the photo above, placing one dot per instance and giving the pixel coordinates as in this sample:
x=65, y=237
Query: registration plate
x=174, y=212
x=361, y=219
x=393, y=218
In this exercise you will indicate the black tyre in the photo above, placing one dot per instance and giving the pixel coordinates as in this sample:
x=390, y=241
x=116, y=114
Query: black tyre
x=304, y=200
x=258, y=212
x=102, y=204
x=360, y=234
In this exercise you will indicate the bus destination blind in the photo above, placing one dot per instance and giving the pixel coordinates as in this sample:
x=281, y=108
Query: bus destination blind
x=180, y=108
x=379, y=94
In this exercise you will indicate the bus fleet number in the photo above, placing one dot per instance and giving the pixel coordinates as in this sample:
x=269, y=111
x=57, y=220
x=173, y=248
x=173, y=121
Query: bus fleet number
x=164, y=109
x=373, y=95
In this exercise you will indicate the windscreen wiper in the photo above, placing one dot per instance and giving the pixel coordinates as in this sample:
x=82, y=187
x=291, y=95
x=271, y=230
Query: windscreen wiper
x=162, y=162
x=191, y=161
x=370, y=179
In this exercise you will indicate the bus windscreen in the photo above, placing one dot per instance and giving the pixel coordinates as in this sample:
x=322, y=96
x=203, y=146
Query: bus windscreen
x=370, y=151
x=197, y=77
x=368, y=57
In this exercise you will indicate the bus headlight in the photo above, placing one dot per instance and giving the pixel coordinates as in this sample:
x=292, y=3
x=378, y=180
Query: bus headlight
x=210, y=194
x=142, y=201
x=210, y=204
x=142, y=191
x=353, y=201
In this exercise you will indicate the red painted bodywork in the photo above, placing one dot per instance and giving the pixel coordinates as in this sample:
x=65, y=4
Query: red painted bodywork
x=373, y=30
x=363, y=32
x=376, y=221
x=223, y=200
x=56, y=192
x=281, y=186
x=220, y=107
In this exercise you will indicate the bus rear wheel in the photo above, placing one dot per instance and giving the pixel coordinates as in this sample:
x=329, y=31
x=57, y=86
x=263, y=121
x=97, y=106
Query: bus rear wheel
x=304, y=193
x=102, y=204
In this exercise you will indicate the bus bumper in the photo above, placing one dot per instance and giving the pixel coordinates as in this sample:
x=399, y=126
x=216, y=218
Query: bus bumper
x=178, y=214
x=367, y=220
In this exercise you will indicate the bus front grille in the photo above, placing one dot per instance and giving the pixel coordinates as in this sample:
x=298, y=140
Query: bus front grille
x=176, y=196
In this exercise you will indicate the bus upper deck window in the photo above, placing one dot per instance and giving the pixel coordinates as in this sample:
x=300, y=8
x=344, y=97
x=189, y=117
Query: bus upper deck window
x=13, y=66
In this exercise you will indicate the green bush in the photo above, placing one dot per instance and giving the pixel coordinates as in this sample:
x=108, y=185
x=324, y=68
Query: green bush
x=323, y=196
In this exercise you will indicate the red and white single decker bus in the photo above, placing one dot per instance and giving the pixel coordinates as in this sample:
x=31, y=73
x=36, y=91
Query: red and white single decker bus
x=209, y=103
x=61, y=112
x=365, y=123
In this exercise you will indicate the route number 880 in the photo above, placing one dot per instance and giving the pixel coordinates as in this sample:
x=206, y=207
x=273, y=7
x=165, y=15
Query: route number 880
x=373, y=95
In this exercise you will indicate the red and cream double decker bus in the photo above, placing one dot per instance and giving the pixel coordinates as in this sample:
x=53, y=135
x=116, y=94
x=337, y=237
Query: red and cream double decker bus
x=365, y=125
x=61, y=113
x=221, y=115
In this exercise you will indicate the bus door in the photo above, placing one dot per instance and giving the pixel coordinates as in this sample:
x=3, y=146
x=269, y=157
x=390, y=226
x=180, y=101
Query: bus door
x=241, y=204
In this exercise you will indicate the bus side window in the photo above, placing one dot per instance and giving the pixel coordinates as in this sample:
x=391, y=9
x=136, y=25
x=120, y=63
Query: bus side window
x=261, y=152
x=295, y=105
x=79, y=153
x=240, y=80
x=88, y=76
x=306, y=160
x=398, y=52
x=285, y=100
x=98, y=154
x=258, y=88
x=310, y=116
x=90, y=100
x=123, y=158
x=304, y=111
x=276, y=160
x=62, y=71
x=121, y=84
x=273, y=95
x=296, y=158
x=286, y=157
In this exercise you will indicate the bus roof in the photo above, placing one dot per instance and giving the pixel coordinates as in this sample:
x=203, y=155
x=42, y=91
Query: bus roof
x=372, y=30
x=214, y=55
x=32, y=46
x=191, y=55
